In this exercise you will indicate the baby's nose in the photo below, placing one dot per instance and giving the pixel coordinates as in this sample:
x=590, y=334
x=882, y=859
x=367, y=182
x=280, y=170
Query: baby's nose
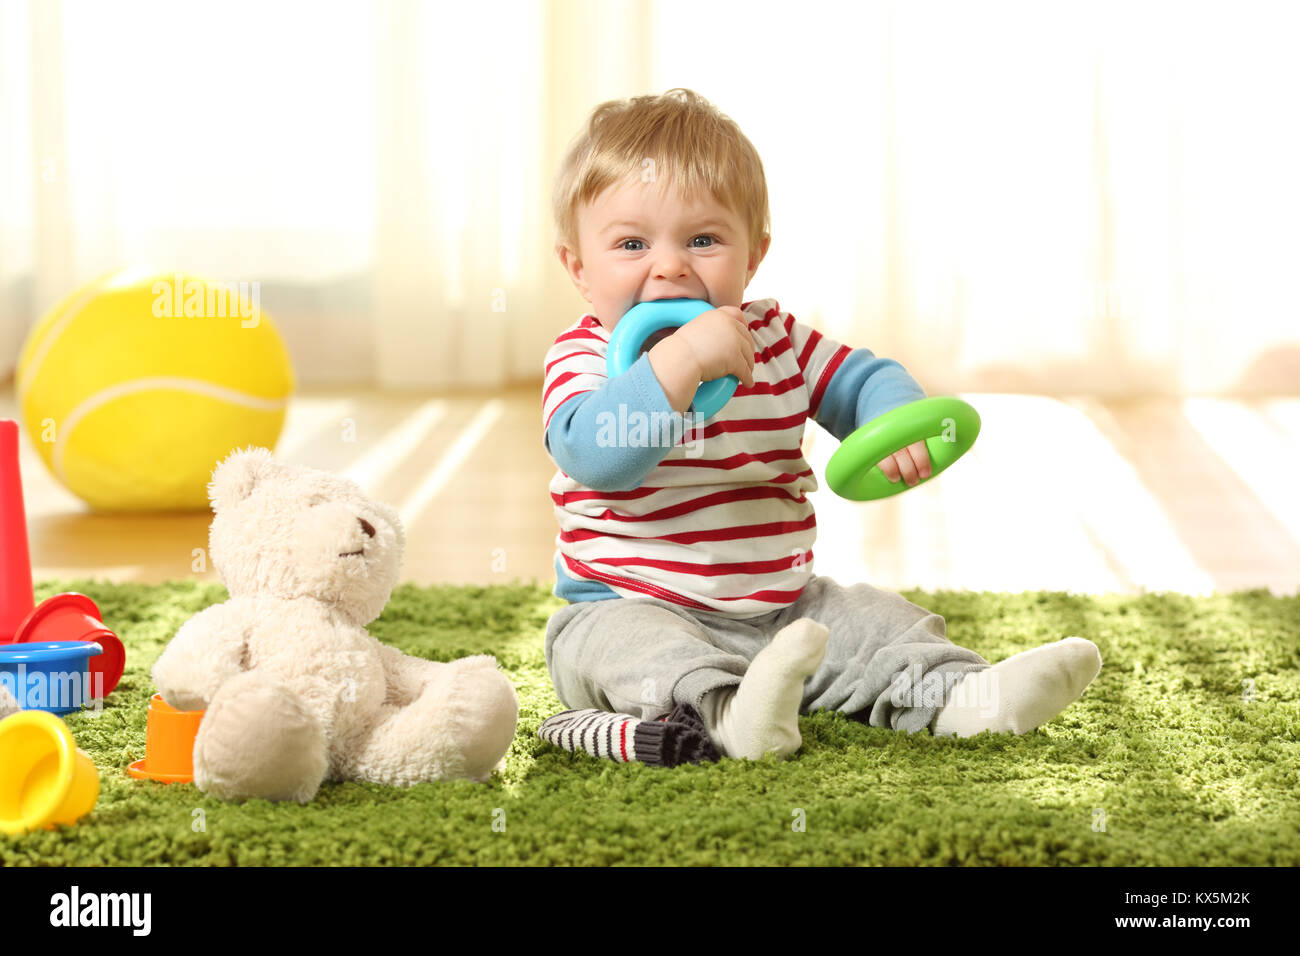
x=670, y=265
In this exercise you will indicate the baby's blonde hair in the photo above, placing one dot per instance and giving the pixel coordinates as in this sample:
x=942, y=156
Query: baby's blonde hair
x=691, y=145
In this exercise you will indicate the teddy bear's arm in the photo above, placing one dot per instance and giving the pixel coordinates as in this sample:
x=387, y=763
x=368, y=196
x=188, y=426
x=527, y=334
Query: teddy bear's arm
x=404, y=676
x=208, y=650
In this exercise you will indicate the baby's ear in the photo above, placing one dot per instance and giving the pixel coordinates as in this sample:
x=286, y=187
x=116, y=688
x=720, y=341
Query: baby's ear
x=234, y=479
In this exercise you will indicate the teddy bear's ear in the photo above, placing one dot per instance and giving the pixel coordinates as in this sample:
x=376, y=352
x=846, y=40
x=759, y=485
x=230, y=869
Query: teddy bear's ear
x=233, y=480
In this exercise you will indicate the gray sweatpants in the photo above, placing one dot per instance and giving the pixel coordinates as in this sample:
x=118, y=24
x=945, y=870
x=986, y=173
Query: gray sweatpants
x=643, y=656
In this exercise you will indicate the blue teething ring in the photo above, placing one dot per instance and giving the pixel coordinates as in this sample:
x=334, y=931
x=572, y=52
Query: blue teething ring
x=646, y=318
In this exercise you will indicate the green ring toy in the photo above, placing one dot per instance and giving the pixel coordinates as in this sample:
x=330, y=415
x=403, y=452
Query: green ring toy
x=948, y=426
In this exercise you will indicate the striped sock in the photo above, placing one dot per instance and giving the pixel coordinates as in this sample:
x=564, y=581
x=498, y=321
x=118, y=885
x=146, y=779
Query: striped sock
x=677, y=737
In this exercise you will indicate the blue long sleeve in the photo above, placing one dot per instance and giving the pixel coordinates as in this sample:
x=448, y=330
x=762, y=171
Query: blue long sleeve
x=585, y=440
x=864, y=387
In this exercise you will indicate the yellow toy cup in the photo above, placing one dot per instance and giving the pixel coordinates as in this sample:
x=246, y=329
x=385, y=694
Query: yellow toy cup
x=45, y=779
x=168, y=743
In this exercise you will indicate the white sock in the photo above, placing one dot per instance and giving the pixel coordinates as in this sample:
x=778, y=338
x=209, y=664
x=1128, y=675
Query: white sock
x=1020, y=693
x=761, y=715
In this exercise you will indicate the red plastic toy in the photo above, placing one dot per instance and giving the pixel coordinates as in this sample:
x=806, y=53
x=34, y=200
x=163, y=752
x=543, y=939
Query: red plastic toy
x=69, y=616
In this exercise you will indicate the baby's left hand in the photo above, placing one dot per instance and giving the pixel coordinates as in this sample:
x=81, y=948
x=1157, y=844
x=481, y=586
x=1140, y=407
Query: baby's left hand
x=913, y=462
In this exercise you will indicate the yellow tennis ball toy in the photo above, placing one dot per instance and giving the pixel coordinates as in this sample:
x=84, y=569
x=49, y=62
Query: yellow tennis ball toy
x=137, y=384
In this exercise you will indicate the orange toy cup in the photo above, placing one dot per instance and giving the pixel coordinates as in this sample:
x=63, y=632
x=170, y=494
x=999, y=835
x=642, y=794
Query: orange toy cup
x=168, y=744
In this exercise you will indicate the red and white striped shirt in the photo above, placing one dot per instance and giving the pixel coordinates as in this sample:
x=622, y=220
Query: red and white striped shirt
x=723, y=523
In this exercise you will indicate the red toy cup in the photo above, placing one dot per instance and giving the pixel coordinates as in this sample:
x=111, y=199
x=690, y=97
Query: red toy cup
x=63, y=617
x=74, y=617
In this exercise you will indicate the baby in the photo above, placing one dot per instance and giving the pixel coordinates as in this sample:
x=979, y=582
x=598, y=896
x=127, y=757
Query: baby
x=688, y=563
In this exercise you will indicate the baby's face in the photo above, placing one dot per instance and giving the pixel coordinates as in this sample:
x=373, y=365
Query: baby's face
x=639, y=242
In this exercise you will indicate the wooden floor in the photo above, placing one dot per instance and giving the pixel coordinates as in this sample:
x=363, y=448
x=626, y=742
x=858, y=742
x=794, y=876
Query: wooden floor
x=1078, y=495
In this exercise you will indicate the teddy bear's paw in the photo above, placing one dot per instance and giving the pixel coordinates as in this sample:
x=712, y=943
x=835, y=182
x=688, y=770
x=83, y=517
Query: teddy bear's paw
x=485, y=708
x=258, y=739
x=459, y=728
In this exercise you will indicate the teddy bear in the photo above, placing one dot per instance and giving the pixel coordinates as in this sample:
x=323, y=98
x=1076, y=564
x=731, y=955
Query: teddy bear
x=296, y=692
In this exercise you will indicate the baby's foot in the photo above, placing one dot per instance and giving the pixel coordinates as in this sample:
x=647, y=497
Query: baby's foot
x=761, y=715
x=1020, y=693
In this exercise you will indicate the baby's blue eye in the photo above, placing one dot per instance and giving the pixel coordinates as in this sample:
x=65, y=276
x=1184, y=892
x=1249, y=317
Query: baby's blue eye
x=711, y=239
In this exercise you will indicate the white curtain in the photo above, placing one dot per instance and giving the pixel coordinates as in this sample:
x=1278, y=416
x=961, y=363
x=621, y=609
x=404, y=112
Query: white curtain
x=1072, y=198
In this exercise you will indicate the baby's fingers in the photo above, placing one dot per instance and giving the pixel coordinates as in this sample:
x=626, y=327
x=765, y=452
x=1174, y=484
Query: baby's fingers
x=901, y=464
x=921, y=458
x=745, y=369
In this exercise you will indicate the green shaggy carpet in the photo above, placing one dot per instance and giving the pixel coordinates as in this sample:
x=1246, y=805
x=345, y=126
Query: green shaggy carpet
x=1183, y=752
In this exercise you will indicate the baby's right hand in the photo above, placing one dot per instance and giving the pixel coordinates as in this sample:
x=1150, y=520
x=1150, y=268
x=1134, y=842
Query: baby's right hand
x=721, y=344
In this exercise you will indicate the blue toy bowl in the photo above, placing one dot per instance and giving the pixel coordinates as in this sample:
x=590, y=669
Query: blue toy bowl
x=53, y=676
